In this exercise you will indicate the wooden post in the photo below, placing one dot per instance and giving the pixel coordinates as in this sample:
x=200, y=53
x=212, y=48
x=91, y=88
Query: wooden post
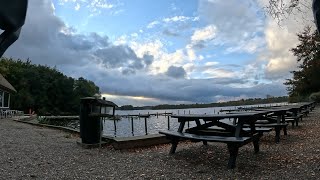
x=101, y=130
x=115, y=126
x=132, y=126
x=168, y=122
x=145, y=125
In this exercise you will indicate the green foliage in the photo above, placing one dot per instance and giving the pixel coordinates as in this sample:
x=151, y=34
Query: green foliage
x=315, y=97
x=69, y=121
x=306, y=79
x=297, y=98
x=44, y=89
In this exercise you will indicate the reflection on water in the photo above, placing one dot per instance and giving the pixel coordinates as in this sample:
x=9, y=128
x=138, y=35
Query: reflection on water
x=123, y=127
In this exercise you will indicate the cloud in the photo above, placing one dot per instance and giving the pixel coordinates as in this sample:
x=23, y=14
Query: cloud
x=46, y=39
x=172, y=21
x=243, y=28
x=100, y=4
x=232, y=19
x=175, y=19
x=204, y=34
x=122, y=57
x=281, y=39
x=176, y=72
x=95, y=7
x=138, y=69
x=77, y=7
x=152, y=24
x=170, y=33
x=253, y=45
x=185, y=90
x=280, y=60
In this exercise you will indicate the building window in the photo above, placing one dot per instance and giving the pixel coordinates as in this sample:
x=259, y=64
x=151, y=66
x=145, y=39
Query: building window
x=6, y=99
x=1, y=98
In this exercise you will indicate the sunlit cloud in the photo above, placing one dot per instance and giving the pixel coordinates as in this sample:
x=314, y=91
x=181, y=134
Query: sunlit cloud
x=77, y=7
x=152, y=24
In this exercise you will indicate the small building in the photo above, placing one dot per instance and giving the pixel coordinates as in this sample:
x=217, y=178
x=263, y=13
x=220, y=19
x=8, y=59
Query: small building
x=5, y=90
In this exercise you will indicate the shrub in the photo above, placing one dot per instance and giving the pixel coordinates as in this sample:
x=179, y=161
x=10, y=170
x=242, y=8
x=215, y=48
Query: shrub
x=315, y=97
x=297, y=98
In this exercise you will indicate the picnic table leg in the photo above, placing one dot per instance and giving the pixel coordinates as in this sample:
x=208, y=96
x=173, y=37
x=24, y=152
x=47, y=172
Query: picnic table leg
x=199, y=124
x=283, y=120
x=285, y=130
x=174, y=142
x=233, y=151
x=277, y=129
x=292, y=123
x=295, y=114
x=256, y=144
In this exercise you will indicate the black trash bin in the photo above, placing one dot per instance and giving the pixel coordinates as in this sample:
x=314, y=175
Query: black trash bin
x=91, y=110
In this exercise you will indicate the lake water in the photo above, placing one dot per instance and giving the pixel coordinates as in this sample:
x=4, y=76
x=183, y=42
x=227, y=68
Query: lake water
x=123, y=127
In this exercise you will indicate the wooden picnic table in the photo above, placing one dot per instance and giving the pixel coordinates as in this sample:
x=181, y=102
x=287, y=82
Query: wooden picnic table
x=277, y=117
x=233, y=135
x=280, y=121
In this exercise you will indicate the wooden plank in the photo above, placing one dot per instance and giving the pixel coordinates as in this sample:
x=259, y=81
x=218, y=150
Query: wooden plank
x=225, y=139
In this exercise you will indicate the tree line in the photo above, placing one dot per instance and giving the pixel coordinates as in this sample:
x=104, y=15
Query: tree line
x=305, y=82
x=43, y=89
x=241, y=102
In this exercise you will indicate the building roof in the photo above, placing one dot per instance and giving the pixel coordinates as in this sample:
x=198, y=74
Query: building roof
x=5, y=85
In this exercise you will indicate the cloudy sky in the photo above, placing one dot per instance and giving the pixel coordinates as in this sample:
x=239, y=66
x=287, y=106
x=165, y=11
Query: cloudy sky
x=144, y=52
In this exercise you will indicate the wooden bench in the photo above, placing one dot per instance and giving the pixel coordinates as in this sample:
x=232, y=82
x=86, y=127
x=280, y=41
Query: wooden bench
x=260, y=130
x=233, y=143
x=218, y=131
x=277, y=127
x=294, y=119
x=305, y=112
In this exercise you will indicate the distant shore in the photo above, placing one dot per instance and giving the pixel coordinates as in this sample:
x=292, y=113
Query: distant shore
x=241, y=102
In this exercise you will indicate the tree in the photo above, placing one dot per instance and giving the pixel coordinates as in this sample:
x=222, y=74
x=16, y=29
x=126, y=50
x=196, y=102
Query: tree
x=282, y=9
x=44, y=89
x=306, y=79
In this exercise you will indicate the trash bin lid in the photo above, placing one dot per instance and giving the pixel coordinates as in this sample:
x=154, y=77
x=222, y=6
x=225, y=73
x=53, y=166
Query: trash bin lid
x=94, y=100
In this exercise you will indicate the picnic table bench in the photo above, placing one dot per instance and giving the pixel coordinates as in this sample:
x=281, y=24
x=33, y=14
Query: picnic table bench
x=232, y=135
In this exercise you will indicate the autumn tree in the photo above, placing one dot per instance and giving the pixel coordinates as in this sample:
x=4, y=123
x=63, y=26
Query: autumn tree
x=305, y=79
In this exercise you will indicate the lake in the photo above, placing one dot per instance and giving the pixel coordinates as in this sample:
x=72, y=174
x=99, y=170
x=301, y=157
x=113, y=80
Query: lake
x=123, y=127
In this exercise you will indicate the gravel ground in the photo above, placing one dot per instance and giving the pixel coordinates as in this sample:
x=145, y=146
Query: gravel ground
x=30, y=152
